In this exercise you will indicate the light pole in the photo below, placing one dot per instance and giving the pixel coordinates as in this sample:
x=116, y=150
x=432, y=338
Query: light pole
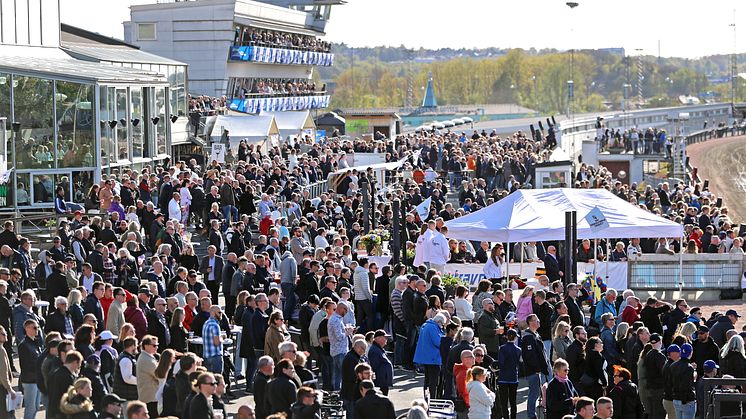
x=16, y=126
x=570, y=84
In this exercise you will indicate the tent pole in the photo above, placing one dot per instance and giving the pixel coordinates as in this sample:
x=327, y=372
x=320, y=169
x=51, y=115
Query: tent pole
x=507, y=264
x=608, y=258
x=681, y=267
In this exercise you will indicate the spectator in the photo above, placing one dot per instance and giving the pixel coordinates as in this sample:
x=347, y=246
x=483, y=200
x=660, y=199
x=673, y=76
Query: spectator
x=61, y=380
x=380, y=363
x=723, y=324
x=624, y=394
x=201, y=405
x=428, y=351
x=281, y=391
x=481, y=398
x=560, y=392
x=535, y=361
x=594, y=378
x=76, y=403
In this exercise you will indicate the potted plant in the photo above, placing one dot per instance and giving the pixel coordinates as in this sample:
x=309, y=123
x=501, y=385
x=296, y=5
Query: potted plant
x=450, y=283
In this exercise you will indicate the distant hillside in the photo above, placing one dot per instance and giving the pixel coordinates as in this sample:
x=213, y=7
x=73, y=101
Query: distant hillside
x=395, y=76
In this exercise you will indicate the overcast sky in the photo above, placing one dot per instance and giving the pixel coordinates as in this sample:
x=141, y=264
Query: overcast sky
x=685, y=28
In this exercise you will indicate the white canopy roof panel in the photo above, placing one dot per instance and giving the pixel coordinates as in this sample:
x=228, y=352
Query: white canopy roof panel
x=253, y=128
x=539, y=215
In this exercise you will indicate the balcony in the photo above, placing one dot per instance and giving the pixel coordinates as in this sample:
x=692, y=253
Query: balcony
x=286, y=56
x=256, y=103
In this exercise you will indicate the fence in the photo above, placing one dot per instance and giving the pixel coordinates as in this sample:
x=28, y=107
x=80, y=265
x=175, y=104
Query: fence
x=720, y=132
x=700, y=271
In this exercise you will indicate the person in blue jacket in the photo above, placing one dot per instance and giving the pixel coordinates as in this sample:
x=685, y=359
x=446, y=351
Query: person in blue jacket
x=508, y=360
x=380, y=363
x=606, y=305
x=427, y=352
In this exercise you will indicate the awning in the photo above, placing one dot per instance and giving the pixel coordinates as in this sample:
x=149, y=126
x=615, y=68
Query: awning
x=253, y=128
x=117, y=54
x=538, y=215
x=275, y=26
x=292, y=123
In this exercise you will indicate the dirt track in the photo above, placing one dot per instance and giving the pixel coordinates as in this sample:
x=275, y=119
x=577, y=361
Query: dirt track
x=723, y=162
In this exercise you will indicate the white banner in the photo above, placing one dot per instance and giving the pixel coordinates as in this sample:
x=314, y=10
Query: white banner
x=614, y=274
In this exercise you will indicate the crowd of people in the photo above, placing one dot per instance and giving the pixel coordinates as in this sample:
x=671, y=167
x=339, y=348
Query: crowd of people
x=248, y=36
x=207, y=105
x=135, y=321
x=246, y=86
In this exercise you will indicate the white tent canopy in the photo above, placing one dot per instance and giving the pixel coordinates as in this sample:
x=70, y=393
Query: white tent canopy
x=539, y=215
x=253, y=128
x=292, y=123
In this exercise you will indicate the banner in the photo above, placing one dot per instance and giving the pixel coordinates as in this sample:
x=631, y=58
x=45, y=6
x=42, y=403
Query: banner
x=597, y=220
x=280, y=56
x=472, y=272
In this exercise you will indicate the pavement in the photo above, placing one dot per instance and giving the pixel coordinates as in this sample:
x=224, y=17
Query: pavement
x=723, y=162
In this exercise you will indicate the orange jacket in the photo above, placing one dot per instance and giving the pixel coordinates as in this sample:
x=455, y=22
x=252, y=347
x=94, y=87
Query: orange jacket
x=459, y=372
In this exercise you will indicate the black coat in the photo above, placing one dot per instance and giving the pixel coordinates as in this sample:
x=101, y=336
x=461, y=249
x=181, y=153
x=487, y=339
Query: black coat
x=96, y=259
x=261, y=401
x=577, y=317
x=199, y=407
x=575, y=359
x=157, y=327
x=734, y=363
x=559, y=399
x=704, y=351
x=374, y=406
x=349, y=379
x=56, y=323
x=454, y=355
x=91, y=305
x=57, y=285
x=281, y=394
x=301, y=411
x=552, y=267
x=626, y=400
x=57, y=385
x=97, y=384
x=28, y=355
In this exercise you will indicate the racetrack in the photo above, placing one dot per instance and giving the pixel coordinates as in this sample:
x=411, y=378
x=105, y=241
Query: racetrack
x=723, y=162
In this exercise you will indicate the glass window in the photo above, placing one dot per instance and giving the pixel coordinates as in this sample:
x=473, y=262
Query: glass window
x=7, y=147
x=82, y=183
x=106, y=103
x=23, y=193
x=75, y=131
x=160, y=111
x=146, y=31
x=137, y=122
x=43, y=188
x=34, y=110
x=180, y=109
x=121, y=109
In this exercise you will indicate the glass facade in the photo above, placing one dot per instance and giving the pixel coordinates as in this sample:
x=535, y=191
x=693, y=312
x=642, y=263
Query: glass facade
x=76, y=133
x=70, y=133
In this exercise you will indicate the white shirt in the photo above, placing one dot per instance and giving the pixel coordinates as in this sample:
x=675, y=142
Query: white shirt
x=320, y=242
x=88, y=283
x=211, y=264
x=420, y=249
x=438, y=249
x=174, y=210
x=633, y=252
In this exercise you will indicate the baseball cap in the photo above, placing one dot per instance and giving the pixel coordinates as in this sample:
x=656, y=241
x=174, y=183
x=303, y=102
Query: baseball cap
x=673, y=348
x=703, y=329
x=732, y=312
x=144, y=290
x=379, y=333
x=512, y=333
x=686, y=350
x=111, y=398
x=93, y=359
x=106, y=335
x=710, y=365
x=655, y=337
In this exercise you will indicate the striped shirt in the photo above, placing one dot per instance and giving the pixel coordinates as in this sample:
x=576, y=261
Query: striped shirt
x=210, y=330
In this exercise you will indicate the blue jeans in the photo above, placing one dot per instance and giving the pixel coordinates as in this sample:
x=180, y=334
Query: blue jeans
x=31, y=400
x=534, y=390
x=326, y=370
x=288, y=291
x=230, y=213
x=337, y=371
x=250, y=371
x=685, y=411
x=237, y=360
x=400, y=344
x=214, y=364
x=349, y=406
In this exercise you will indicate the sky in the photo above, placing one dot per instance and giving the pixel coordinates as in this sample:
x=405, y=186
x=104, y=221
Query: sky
x=685, y=28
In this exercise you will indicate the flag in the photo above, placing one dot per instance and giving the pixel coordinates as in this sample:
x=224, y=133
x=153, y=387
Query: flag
x=5, y=176
x=423, y=210
x=597, y=220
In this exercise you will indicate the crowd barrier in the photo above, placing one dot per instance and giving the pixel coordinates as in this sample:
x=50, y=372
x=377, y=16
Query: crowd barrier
x=271, y=55
x=651, y=272
x=279, y=104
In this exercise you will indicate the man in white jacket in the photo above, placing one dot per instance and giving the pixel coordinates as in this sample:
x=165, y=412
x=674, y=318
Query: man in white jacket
x=363, y=295
x=439, y=251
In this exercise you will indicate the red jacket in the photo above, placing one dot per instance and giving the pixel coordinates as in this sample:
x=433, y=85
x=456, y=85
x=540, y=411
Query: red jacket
x=459, y=373
x=631, y=314
x=135, y=316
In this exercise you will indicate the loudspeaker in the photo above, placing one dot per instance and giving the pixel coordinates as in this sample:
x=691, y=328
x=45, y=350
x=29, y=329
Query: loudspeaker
x=533, y=131
x=549, y=124
x=541, y=127
x=553, y=121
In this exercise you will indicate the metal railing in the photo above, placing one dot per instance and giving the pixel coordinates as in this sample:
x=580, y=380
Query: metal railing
x=699, y=272
x=719, y=398
x=719, y=132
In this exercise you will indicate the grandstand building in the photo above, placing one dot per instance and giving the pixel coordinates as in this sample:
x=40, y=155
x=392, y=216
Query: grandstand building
x=259, y=54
